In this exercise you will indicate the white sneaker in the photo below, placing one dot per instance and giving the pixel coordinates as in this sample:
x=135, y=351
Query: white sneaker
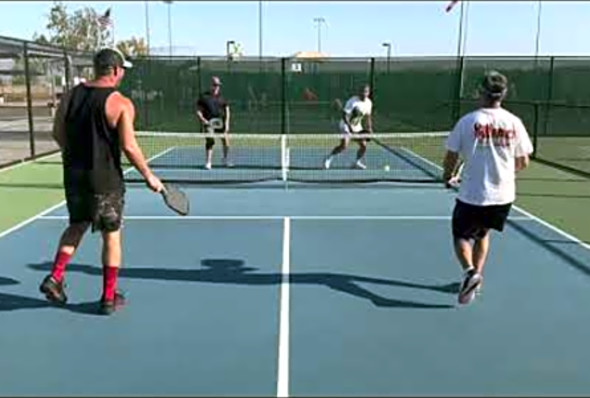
x=208, y=166
x=228, y=163
x=471, y=281
x=359, y=165
x=327, y=162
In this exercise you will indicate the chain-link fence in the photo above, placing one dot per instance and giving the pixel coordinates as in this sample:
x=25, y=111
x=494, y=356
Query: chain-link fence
x=33, y=78
x=293, y=96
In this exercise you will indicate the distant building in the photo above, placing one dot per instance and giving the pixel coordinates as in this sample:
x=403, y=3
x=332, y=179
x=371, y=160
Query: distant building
x=310, y=55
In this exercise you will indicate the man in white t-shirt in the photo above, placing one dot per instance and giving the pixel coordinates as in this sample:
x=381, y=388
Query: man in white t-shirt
x=357, y=109
x=494, y=145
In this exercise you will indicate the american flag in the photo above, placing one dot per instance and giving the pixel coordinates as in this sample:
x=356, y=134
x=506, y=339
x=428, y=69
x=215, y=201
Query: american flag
x=451, y=5
x=105, y=20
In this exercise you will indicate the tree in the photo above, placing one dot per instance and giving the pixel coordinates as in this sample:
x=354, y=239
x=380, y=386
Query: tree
x=80, y=30
x=134, y=47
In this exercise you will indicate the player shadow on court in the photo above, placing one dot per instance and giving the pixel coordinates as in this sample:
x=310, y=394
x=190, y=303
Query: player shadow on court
x=14, y=302
x=231, y=271
x=11, y=302
x=568, y=251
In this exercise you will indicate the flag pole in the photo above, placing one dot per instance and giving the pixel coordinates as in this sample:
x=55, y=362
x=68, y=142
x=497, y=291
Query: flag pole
x=459, y=46
x=538, y=35
x=466, y=28
x=460, y=36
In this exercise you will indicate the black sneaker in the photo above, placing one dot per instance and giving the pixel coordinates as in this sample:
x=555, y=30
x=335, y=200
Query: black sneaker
x=471, y=281
x=53, y=290
x=107, y=307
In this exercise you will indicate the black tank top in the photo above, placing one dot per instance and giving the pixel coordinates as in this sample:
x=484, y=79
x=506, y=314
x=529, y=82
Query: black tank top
x=92, y=154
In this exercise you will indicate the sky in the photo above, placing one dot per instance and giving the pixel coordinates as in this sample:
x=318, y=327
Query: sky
x=354, y=28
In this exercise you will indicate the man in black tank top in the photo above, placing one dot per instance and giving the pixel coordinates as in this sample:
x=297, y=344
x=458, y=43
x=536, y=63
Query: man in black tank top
x=93, y=124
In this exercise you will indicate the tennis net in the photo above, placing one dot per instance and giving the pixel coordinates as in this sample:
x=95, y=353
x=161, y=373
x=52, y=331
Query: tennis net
x=395, y=157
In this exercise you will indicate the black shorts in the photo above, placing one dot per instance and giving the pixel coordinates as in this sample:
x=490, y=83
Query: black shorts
x=474, y=222
x=103, y=211
x=210, y=141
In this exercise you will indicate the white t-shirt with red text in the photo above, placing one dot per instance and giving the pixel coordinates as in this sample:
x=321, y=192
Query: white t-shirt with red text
x=489, y=140
x=357, y=110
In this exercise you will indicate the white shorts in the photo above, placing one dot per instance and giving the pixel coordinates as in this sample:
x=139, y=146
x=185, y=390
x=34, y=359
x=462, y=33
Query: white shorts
x=345, y=132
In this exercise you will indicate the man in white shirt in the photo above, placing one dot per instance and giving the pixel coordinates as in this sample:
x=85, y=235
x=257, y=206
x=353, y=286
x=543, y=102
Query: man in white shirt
x=494, y=145
x=357, y=109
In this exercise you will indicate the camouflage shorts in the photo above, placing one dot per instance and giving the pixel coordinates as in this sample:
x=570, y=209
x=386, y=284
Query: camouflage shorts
x=103, y=211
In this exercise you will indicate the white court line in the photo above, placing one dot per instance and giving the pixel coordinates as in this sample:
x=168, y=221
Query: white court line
x=11, y=123
x=554, y=228
x=533, y=217
x=283, y=358
x=25, y=162
x=41, y=215
x=30, y=220
x=269, y=217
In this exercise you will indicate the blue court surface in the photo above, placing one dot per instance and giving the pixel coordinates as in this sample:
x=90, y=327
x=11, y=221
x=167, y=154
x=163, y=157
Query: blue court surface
x=297, y=292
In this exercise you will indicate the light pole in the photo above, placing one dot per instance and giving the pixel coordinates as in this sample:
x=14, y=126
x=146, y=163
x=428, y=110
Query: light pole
x=260, y=29
x=538, y=35
x=169, y=2
x=319, y=21
x=147, y=26
x=388, y=46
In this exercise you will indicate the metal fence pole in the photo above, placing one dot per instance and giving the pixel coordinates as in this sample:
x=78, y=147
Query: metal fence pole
x=146, y=93
x=372, y=77
x=199, y=76
x=535, y=128
x=67, y=71
x=283, y=96
x=456, y=107
x=549, y=95
x=29, y=100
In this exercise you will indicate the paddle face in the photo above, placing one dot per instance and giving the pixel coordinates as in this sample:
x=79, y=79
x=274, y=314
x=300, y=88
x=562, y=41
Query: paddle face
x=216, y=123
x=176, y=199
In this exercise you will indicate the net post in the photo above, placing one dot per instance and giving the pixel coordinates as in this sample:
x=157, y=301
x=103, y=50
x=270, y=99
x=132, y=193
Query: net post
x=284, y=157
x=29, y=99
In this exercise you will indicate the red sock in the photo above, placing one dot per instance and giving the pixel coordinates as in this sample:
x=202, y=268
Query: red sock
x=110, y=282
x=59, y=265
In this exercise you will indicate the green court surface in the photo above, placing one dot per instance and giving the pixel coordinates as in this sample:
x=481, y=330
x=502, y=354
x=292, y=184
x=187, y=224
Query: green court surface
x=559, y=197
x=573, y=152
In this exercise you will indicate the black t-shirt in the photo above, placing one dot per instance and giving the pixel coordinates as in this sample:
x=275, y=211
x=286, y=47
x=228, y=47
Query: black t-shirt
x=212, y=106
x=92, y=153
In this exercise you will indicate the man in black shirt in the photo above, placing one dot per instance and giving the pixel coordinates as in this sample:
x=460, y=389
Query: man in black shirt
x=213, y=113
x=93, y=123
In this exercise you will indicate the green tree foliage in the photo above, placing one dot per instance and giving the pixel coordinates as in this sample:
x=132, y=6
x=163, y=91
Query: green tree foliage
x=134, y=47
x=79, y=30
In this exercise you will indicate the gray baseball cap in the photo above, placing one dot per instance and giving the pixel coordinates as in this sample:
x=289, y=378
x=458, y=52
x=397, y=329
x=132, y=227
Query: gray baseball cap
x=494, y=84
x=111, y=57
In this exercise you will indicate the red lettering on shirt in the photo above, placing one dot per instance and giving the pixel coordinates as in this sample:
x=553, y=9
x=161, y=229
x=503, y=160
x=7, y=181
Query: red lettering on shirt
x=489, y=134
